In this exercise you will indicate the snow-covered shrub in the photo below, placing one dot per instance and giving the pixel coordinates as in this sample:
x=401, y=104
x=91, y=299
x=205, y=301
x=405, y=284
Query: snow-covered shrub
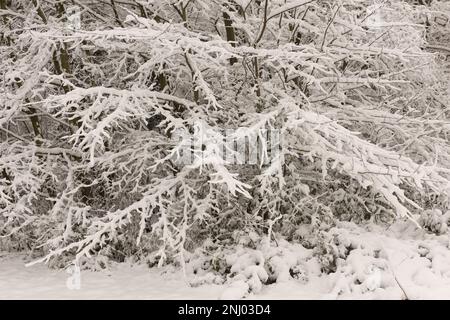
x=435, y=221
x=363, y=272
x=90, y=120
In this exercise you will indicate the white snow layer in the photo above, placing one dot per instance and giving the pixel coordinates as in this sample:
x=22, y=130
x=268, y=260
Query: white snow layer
x=409, y=263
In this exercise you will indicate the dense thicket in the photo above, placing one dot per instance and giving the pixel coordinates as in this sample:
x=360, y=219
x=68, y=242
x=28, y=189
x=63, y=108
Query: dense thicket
x=358, y=89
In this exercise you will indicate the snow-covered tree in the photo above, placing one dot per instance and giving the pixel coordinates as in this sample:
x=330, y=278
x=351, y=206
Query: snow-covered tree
x=91, y=114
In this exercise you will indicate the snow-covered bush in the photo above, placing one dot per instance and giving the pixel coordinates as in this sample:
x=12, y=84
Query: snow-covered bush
x=91, y=160
x=245, y=270
x=435, y=221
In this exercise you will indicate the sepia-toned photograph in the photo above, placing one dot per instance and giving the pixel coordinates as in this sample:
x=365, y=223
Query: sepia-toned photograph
x=235, y=150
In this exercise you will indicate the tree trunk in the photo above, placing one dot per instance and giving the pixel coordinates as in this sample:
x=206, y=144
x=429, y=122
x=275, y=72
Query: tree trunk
x=231, y=35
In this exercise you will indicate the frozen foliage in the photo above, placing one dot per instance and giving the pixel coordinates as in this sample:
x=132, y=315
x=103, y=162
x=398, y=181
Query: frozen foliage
x=435, y=221
x=92, y=111
x=369, y=262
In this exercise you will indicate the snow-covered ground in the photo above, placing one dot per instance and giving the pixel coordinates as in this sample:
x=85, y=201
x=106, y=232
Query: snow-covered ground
x=124, y=281
x=411, y=263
